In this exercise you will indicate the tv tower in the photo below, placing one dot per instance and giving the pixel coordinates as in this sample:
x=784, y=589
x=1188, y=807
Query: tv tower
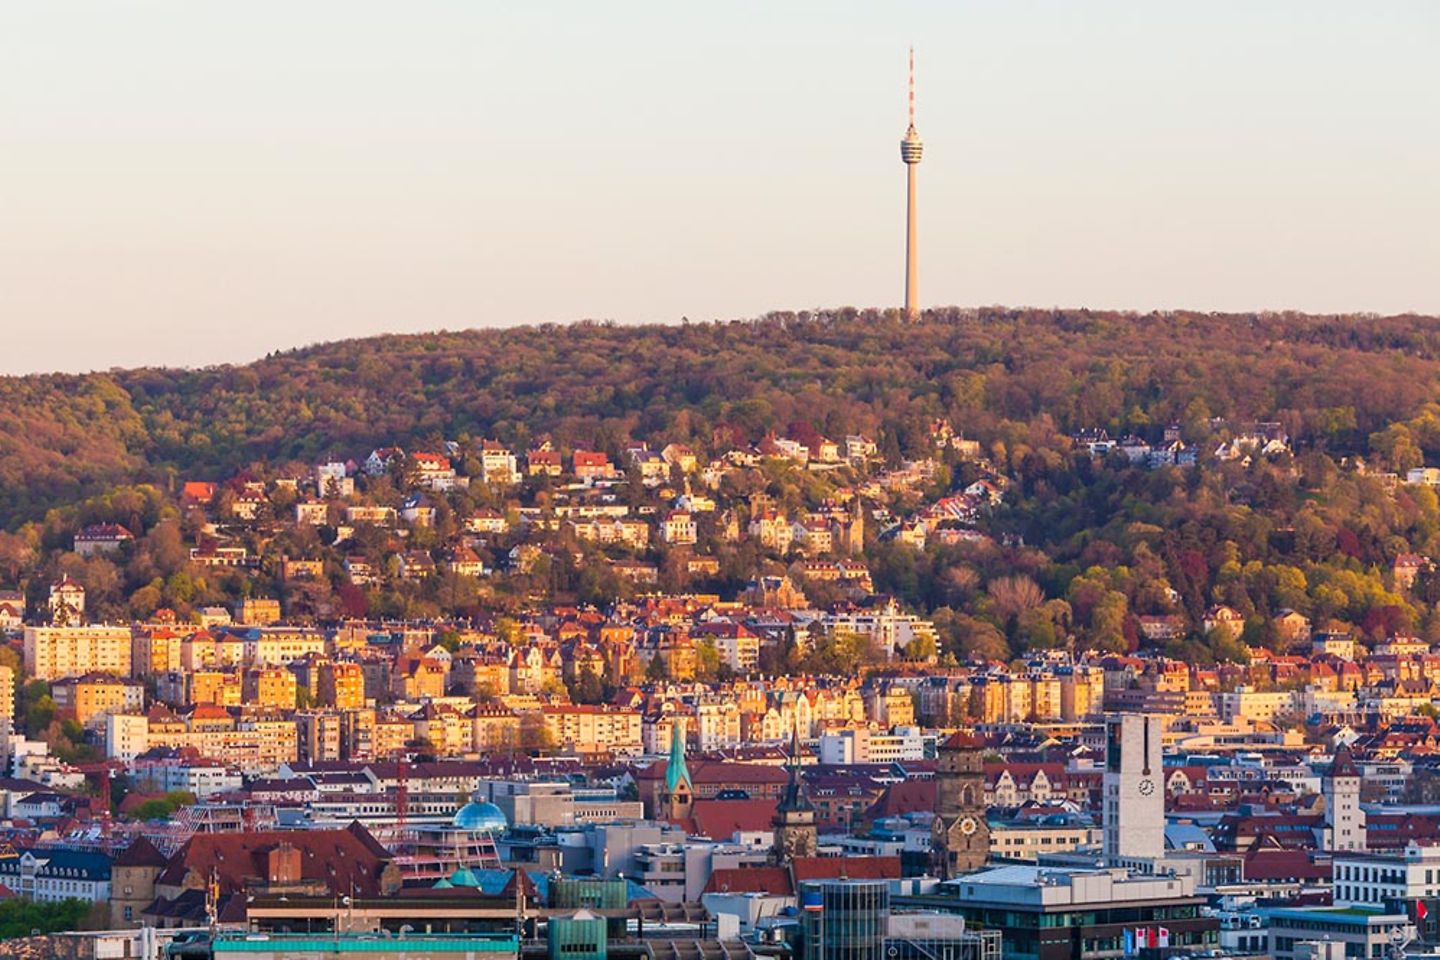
x=910, y=150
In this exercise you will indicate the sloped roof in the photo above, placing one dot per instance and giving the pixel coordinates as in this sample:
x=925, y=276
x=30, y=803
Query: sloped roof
x=141, y=853
x=722, y=819
x=772, y=880
x=850, y=868
x=339, y=858
x=907, y=796
x=721, y=772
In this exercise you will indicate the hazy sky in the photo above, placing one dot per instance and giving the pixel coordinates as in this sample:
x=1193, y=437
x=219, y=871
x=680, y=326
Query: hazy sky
x=194, y=182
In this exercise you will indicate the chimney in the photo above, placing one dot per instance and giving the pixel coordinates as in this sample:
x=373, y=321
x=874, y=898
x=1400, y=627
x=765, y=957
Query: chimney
x=283, y=864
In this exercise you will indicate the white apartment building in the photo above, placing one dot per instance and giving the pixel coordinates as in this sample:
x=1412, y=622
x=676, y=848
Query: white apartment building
x=55, y=652
x=889, y=629
x=126, y=736
x=1262, y=705
x=869, y=746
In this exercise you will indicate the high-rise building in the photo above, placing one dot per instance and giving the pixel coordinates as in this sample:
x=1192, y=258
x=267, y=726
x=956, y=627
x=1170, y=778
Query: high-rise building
x=910, y=151
x=1134, y=788
x=960, y=841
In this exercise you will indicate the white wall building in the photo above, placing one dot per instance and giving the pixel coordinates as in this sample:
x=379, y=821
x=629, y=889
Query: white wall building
x=126, y=736
x=1134, y=812
x=1344, y=819
x=1378, y=879
x=870, y=746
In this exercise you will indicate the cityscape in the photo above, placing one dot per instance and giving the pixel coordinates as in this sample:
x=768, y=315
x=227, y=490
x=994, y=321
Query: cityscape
x=905, y=633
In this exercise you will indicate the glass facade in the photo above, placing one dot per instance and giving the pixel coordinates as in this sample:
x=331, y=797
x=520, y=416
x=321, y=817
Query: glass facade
x=851, y=921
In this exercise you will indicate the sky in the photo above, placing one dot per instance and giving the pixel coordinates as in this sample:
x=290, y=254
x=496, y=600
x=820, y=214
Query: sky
x=189, y=182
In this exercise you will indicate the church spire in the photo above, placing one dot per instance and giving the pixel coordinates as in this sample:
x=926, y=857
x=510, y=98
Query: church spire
x=795, y=815
x=794, y=798
x=676, y=773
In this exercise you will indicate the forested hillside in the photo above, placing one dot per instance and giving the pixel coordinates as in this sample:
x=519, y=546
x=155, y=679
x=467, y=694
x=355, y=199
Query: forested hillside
x=1016, y=377
x=1255, y=462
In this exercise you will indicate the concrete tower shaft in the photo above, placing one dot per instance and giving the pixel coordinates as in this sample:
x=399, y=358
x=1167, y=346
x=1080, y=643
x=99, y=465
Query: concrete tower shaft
x=911, y=150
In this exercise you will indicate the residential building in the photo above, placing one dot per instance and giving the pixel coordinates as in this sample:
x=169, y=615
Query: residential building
x=95, y=696
x=59, y=651
x=49, y=874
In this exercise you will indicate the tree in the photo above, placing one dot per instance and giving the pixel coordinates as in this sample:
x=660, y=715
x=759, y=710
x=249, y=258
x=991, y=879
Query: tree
x=707, y=661
x=968, y=638
x=37, y=707
x=1107, y=623
x=163, y=808
x=21, y=916
x=587, y=688
x=840, y=653
x=1397, y=445
x=1013, y=595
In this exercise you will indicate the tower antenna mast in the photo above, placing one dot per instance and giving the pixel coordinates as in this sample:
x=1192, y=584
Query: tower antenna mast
x=911, y=150
x=912, y=87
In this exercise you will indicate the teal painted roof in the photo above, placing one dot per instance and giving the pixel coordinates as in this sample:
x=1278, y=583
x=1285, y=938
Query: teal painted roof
x=464, y=877
x=492, y=883
x=428, y=944
x=676, y=772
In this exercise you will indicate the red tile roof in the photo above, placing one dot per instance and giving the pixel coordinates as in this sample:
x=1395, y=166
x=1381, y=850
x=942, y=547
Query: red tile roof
x=849, y=868
x=722, y=819
x=339, y=858
x=773, y=880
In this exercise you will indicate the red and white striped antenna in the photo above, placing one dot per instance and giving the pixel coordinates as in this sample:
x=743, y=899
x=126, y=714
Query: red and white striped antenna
x=912, y=87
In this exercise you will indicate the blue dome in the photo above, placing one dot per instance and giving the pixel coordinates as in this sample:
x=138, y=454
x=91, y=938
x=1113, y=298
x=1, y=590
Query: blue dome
x=480, y=817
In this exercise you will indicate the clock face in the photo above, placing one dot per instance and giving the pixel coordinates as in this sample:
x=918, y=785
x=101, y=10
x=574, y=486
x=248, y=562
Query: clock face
x=1147, y=787
x=968, y=825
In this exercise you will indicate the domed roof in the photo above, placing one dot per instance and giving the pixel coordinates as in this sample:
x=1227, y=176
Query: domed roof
x=479, y=816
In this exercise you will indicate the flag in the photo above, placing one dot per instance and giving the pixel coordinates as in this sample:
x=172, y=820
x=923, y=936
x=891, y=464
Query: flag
x=1164, y=939
x=1142, y=938
x=1129, y=942
x=1421, y=911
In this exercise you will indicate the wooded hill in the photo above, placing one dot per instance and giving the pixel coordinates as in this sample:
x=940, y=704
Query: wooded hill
x=1017, y=376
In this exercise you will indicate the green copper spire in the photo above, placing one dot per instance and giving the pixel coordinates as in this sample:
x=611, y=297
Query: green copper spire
x=676, y=772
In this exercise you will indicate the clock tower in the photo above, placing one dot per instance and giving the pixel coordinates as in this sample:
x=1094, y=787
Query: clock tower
x=960, y=834
x=1134, y=814
x=794, y=820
